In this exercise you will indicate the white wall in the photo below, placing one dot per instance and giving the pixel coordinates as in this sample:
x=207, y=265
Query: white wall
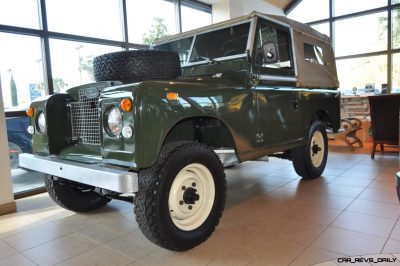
x=6, y=192
x=228, y=9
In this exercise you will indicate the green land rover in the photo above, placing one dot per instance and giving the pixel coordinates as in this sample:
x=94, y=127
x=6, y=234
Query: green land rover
x=158, y=126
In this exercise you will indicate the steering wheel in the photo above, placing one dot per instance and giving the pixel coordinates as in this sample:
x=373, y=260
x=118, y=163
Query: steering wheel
x=229, y=52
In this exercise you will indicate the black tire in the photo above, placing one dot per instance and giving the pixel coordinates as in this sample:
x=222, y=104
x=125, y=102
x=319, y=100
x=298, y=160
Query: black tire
x=74, y=198
x=303, y=156
x=137, y=65
x=152, y=207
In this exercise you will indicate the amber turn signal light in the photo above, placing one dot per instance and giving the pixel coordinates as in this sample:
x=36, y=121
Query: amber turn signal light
x=126, y=104
x=172, y=96
x=29, y=112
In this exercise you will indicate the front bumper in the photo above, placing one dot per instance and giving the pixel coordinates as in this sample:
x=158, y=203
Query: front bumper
x=89, y=174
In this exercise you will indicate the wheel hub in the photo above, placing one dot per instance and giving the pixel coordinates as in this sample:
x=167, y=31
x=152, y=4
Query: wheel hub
x=316, y=149
x=190, y=196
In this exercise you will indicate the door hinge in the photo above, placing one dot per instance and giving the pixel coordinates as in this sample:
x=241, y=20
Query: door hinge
x=259, y=137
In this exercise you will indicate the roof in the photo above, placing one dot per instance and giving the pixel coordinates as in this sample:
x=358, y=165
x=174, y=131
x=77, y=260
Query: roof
x=300, y=27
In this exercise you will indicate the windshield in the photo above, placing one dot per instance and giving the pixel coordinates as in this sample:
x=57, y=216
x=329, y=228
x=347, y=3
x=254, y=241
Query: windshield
x=220, y=43
x=182, y=47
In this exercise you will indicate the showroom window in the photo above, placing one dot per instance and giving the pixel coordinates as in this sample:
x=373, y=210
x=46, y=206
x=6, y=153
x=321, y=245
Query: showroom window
x=73, y=66
x=194, y=17
x=310, y=10
x=361, y=39
x=361, y=34
x=323, y=28
x=145, y=22
x=48, y=46
x=396, y=73
x=94, y=18
x=364, y=75
x=343, y=7
x=396, y=28
x=11, y=13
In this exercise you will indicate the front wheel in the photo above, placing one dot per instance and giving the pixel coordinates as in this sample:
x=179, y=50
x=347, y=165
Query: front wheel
x=309, y=160
x=181, y=198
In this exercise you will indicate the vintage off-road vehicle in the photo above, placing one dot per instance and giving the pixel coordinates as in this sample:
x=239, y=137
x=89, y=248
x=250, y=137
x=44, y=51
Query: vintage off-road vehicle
x=159, y=124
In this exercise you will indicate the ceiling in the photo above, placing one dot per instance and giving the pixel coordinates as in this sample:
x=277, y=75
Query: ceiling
x=278, y=3
x=283, y=4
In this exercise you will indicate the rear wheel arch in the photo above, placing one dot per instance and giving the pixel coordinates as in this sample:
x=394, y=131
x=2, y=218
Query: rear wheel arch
x=324, y=117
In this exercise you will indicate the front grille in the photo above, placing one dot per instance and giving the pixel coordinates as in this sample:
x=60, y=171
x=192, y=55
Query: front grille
x=86, y=119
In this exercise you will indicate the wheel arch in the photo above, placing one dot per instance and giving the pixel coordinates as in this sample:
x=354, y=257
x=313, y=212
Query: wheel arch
x=208, y=130
x=324, y=117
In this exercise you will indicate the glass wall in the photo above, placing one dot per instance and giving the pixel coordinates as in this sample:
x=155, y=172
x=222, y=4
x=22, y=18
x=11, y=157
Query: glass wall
x=396, y=73
x=194, y=18
x=94, y=18
x=11, y=13
x=67, y=37
x=343, y=7
x=73, y=66
x=362, y=34
x=310, y=10
x=361, y=41
x=145, y=23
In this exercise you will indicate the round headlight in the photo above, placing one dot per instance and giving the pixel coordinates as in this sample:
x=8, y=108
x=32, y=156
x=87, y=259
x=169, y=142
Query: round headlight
x=114, y=121
x=41, y=122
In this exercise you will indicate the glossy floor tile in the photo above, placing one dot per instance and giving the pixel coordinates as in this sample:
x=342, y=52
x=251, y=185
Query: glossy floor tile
x=272, y=217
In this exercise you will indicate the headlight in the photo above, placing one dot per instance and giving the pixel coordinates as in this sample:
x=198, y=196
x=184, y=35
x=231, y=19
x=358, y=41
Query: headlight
x=114, y=121
x=41, y=122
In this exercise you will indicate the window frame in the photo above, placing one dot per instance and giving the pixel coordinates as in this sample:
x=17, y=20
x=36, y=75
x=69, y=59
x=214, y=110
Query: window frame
x=270, y=73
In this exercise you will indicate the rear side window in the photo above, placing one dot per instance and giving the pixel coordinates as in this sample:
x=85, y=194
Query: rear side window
x=313, y=54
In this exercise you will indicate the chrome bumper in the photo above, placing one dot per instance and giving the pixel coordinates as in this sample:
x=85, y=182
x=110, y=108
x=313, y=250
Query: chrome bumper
x=93, y=175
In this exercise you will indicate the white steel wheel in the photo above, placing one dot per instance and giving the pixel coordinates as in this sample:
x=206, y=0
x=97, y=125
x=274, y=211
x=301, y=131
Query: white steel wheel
x=317, y=149
x=191, y=197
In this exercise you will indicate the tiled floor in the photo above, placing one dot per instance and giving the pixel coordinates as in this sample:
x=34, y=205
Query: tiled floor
x=271, y=218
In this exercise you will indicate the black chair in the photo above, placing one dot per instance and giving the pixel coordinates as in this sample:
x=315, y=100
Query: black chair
x=384, y=110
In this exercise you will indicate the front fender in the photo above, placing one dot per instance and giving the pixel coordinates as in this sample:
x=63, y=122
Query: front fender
x=157, y=115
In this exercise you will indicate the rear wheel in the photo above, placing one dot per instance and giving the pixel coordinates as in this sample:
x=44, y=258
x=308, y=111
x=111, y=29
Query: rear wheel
x=309, y=160
x=181, y=198
x=74, y=196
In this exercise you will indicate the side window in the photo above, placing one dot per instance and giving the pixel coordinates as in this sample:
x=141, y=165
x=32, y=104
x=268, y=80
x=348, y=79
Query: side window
x=273, y=47
x=313, y=54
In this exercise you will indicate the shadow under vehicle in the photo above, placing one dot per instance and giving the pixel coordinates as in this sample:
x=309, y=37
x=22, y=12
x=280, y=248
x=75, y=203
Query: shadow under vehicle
x=159, y=124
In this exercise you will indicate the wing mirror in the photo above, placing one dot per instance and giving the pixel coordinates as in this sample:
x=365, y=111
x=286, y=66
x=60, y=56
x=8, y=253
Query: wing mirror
x=270, y=53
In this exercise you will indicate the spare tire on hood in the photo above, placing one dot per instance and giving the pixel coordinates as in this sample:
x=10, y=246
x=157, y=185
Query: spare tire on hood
x=137, y=65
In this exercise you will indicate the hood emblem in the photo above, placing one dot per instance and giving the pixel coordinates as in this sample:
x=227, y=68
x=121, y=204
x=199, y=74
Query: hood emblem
x=92, y=93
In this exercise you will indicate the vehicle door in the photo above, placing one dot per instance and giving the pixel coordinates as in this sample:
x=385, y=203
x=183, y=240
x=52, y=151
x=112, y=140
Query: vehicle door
x=278, y=100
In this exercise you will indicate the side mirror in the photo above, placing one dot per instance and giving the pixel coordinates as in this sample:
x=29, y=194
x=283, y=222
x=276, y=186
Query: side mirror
x=270, y=53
